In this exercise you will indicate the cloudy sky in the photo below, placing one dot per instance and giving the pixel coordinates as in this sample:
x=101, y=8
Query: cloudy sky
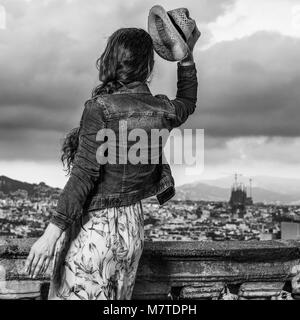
x=248, y=69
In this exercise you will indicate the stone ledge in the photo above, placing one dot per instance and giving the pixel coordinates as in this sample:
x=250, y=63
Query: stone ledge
x=15, y=247
x=227, y=250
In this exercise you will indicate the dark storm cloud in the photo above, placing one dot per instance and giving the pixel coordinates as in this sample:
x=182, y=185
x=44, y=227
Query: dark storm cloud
x=250, y=87
x=30, y=145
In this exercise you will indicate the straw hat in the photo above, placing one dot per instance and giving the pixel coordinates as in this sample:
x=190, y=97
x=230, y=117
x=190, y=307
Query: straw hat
x=170, y=31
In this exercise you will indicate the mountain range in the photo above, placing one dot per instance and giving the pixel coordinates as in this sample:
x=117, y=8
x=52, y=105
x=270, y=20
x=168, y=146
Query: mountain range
x=264, y=189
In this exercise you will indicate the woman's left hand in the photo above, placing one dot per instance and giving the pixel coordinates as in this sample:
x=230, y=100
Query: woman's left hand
x=42, y=251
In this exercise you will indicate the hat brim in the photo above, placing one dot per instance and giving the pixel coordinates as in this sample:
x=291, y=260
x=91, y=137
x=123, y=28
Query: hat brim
x=172, y=47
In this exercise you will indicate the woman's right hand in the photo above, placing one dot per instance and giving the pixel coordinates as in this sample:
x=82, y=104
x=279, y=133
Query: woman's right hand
x=193, y=38
x=42, y=251
x=189, y=59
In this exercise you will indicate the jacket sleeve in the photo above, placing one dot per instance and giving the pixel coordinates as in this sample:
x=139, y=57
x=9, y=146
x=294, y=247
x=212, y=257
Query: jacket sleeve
x=186, y=97
x=85, y=171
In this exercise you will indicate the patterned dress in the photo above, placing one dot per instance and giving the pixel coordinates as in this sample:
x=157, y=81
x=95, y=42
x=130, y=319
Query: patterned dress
x=97, y=257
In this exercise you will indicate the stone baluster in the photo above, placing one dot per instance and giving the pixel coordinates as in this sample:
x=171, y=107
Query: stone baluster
x=201, y=291
x=260, y=290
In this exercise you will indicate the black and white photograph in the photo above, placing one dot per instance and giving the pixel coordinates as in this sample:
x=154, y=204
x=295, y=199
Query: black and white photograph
x=149, y=151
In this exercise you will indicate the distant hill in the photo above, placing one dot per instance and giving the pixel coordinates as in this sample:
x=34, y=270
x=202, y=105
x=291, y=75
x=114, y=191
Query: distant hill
x=201, y=191
x=275, y=184
x=8, y=186
x=208, y=192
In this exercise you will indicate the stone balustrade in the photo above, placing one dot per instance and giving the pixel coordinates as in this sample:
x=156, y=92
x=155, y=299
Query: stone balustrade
x=182, y=270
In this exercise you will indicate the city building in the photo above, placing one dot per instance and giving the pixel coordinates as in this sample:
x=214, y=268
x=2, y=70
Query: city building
x=290, y=230
x=239, y=199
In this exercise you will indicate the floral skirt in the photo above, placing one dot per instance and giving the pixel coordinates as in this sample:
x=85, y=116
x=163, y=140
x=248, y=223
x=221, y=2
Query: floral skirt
x=98, y=256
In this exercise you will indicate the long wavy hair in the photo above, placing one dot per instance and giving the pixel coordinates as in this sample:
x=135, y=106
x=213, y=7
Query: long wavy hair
x=127, y=60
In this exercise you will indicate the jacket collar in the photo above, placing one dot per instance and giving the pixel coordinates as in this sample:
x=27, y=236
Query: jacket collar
x=134, y=87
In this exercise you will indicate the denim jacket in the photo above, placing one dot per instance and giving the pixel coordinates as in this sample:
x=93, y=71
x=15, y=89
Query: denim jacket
x=93, y=186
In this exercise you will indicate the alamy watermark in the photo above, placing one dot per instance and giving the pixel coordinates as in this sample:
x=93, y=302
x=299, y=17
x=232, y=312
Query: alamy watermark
x=153, y=146
x=2, y=17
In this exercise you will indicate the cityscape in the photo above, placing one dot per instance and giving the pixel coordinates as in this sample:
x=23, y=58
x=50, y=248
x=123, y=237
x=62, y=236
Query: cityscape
x=25, y=213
